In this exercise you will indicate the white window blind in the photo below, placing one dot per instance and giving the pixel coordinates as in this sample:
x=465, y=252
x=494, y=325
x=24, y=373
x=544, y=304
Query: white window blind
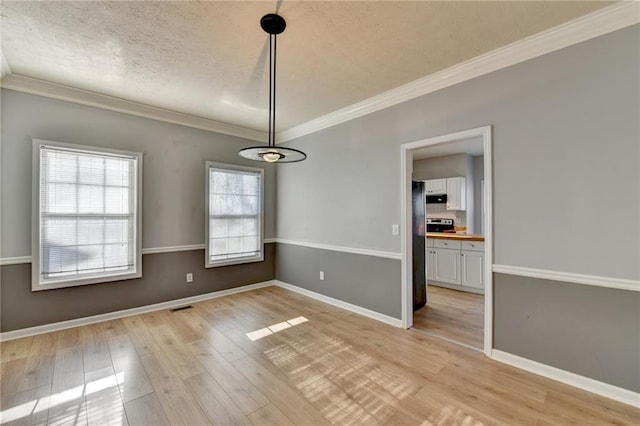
x=234, y=214
x=88, y=212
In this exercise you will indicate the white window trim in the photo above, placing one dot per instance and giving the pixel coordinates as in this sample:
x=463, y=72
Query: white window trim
x=237, y=261
x=36, y=285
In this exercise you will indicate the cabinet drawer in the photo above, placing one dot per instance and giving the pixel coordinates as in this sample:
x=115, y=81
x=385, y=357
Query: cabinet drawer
x=473, y=245
x=450, y=244
x=429, y=242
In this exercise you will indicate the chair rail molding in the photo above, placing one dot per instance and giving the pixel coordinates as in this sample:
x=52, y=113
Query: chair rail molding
x=569, y=277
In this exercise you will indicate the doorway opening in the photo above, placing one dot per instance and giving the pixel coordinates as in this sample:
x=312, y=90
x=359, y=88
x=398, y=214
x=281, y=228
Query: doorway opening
x=447, y=237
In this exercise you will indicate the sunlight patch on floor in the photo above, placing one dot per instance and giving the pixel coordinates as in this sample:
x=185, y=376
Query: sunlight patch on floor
x=346, y=385
x=60, y=398
x=267, y=331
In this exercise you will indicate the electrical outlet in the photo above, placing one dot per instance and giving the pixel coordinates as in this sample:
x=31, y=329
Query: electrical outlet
x=321, y=275
x=395, y=229
x=189, y=277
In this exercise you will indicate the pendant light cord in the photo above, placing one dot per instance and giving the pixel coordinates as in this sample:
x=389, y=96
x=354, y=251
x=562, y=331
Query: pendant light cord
x=272, y=89
x=275, y=57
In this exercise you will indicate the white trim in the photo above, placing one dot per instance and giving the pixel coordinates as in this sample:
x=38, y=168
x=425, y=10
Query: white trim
x=341, y=304
x=569, y=277
x=343, y=249
x=15, y=260
x=48, y=89
x=606, y=20
x=37, y=282
x=171, y=249
x=259, y=257
x=406, y=171
x=604, y=389
x=56, y=326
x=406, y=168
x=487, y=225
x=151, y=250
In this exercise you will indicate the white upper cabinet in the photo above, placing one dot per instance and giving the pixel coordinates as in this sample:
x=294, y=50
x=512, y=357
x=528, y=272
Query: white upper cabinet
x=456, y=193
x=436, y=186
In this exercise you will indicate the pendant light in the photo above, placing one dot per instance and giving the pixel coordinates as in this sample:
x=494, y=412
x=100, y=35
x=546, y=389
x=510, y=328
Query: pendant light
x=273, y=25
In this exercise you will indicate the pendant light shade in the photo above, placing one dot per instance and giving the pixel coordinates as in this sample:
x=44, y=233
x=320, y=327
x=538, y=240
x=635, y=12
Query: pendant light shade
x=273, y=25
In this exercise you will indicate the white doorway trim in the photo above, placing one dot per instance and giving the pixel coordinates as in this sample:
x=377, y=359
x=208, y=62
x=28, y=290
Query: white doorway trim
x=406, y=169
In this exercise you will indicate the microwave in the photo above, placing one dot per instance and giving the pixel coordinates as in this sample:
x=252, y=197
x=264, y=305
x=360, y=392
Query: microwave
x=437, y=199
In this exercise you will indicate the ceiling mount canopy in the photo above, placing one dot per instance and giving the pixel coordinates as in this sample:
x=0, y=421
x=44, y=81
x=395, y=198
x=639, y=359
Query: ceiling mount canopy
x=273, y=25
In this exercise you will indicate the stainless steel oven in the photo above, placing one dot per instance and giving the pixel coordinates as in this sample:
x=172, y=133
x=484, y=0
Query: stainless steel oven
x=440, y=225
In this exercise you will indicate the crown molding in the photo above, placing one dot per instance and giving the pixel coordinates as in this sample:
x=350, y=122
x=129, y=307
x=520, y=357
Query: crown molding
x=606, y=20
x=593, y=25
x=48, y=89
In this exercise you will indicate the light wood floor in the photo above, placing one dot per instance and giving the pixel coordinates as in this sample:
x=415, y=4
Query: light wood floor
x=452, y=314
x=198, y=366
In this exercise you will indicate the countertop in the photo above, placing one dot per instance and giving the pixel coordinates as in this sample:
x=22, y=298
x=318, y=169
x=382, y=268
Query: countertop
x=452, y=236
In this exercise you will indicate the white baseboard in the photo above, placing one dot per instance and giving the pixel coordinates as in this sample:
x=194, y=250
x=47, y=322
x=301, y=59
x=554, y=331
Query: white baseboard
x=56, y=326
x=572, y=379
x=341, y=304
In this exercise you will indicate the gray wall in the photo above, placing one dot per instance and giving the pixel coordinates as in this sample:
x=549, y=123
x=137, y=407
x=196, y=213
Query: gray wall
x=172, y=200
x=174, y=159
x=478, y=176
x=565, y=151
x=470, y=195
x=566, y=135
x=440, y=167
x=163, y=280
x=591, y=331
x=377, y=281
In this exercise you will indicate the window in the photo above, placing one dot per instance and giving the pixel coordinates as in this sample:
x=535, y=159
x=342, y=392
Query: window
x=86, y=221
x=234, y=207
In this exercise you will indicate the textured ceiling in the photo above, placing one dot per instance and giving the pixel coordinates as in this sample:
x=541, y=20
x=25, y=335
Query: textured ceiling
x=208, y=59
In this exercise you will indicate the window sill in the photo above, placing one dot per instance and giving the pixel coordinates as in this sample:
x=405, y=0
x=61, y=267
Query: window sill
x=231, y=262
x=38, y=286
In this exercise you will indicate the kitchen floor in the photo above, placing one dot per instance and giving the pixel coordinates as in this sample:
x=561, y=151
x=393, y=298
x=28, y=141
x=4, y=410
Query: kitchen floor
x=454, y=315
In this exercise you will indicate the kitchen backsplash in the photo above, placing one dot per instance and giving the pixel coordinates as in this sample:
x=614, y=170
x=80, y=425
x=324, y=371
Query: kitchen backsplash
x=440, y=210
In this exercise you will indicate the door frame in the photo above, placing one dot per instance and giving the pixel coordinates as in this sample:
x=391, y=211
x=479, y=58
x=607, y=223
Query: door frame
x=406, y=169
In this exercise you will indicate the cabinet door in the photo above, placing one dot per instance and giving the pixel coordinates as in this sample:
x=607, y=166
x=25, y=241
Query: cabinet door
x=456, y=193
x=436, y=186
x=472, y=269
x=431, y=265
x=447, y=266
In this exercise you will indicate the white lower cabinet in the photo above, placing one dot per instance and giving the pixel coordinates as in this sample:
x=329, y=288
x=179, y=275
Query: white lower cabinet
x=447, y=266
x=472, y=271
x=458, y=263
x=431, y=264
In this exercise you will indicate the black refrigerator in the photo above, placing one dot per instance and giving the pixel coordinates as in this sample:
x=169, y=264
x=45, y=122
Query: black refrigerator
x=418, y=237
